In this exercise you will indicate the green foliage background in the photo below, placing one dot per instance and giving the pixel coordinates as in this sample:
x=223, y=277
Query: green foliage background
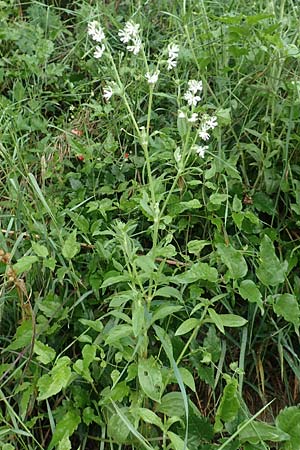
x=147, y=302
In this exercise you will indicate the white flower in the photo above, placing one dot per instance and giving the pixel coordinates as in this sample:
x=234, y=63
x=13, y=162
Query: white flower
x=200, y=150
x=107, y=93
x=194, y=86
x=211, y=123
x=99, y=51
x=95, y=30
x=136, y=47
x=181, y=115
x=173, y=51
x=152, y=79
x=193, y=118
x=203, y=134
x=129, y=32
x=191, y=98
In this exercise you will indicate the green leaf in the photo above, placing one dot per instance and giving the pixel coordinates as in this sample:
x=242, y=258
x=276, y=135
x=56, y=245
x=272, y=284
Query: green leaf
x=164, y=311
x=118, y=332
x=288, y=420
x=177, y=442
x=65, y=427
x=229, y=405
x=249, y=291
x=23, y=336
x=216, y=320
x=232, y=320
x=24, y=264
x=169, y=292
x=149, y=416
x=196, y=246
x=187, y=378
x=150, y=378
x=114, y=280
x=256, y=432
x=71, y=247
x=57, y=379
x=117, y=429
x=199, y=271
x=138, y=317
x=45, y=353
x=271, y=271
x=286, y=305
x=171, y=405
x=39, y=250
x=187, y=326
x=234, y=261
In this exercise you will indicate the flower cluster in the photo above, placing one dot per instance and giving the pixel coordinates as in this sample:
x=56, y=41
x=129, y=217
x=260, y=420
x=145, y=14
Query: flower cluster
x=130, y=36
x=96, y=32
x=206, y=122
x=191, y=95
x=173, y=51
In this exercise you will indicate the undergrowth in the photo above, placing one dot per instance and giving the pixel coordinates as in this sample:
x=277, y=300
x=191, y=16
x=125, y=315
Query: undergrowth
x=150, y=211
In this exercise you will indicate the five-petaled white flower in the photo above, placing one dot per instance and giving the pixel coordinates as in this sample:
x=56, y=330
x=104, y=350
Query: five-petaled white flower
x=191, y=98
x=194, y=86
x=200, y=150
x=135, y=47
x=99, y=51
x=95, y=31
x=211, y=123
x=107, y=93
x=173, y=50
x=129, y=32
x=152, y=78
x=193, y=118
x=203, y=134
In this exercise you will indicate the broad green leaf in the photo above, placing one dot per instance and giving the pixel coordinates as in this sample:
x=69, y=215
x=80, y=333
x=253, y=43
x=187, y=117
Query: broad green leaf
x=117, y=429
x=57, y=379
x=149, y=416
x=196, y=246
x=24, y=264
x=229, y=404
x=94, y=324
x=45, y=353
x=288, y=420
x=65, y=427
x=256, y=432
x=187, y=326
x=234, y=260
x=199, y=271
x=232, y=320
x=118, y=332
x=23, y=336
x=216, y=319
x=177, y=442
x=187, y=378
x=249, y=291
x=114, y=280
x=150, y=378
x=169, y=292
x=165, y=310
x=39, y=250
x=286, y=305
x=218, y=199
x=271, y=271
x=70, y=247
x=64, y=443
x=171, y=405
